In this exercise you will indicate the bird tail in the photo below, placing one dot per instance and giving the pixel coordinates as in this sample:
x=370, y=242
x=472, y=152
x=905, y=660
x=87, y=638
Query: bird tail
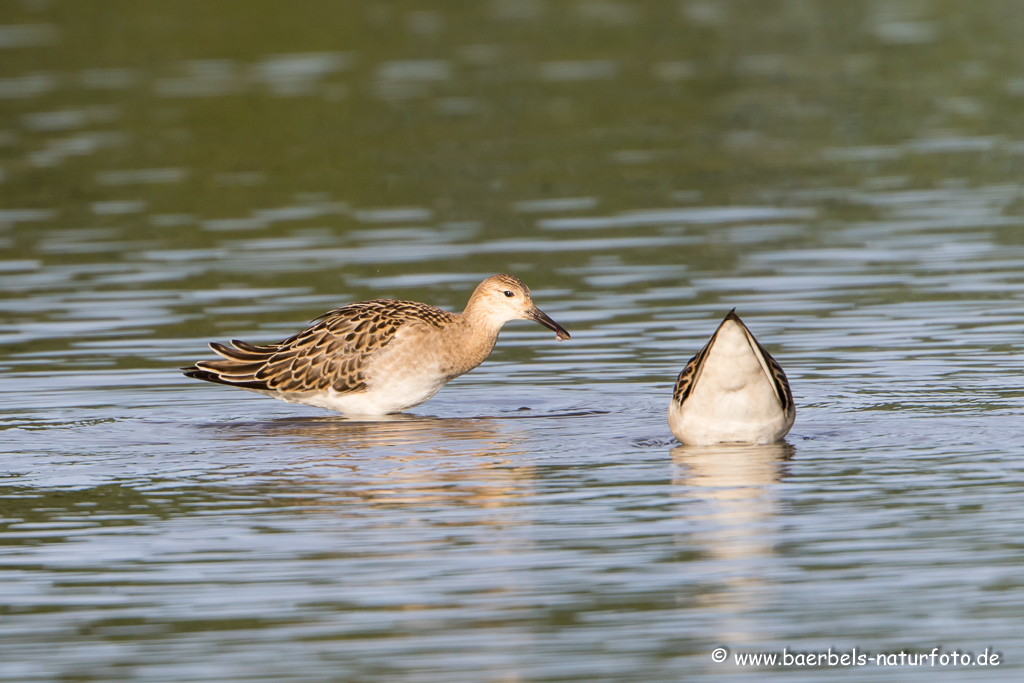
x=240, y=368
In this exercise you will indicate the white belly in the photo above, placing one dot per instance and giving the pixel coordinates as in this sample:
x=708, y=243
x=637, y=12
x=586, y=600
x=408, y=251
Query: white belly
x=698, y=426
x=391, y=397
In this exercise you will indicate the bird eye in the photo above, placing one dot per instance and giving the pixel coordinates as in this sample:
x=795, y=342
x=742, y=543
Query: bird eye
x=508, y=293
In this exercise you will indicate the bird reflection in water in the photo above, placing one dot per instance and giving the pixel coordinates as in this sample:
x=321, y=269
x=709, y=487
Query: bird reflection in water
x=735, y=485
x=401, y=459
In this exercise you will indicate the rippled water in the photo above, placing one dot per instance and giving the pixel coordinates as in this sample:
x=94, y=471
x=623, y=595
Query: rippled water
x=846, y=175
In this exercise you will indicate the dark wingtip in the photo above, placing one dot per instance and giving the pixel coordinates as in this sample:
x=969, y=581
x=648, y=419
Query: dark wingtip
x=731, y=315
x=208, y=376
x=246, y=346
x=194, y=372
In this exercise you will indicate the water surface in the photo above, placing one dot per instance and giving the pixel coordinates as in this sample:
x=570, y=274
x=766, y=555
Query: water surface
x=847, y=176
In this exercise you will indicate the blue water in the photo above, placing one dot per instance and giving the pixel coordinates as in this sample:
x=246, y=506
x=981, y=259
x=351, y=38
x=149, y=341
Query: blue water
x=848, y=178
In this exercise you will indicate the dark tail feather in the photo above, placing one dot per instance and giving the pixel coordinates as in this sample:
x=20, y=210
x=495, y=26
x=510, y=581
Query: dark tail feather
x=199, y=373
x=252, y=348
x=195, y=372
x=231, y=368
x=242, y=355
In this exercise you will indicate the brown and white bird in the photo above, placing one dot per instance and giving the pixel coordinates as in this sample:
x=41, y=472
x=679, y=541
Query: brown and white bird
x=376, y=357
x=732, y=391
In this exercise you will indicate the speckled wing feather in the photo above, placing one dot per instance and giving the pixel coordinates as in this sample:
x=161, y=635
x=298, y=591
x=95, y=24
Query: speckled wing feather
x=688, y=377
x=777, y=376
x=330, y=354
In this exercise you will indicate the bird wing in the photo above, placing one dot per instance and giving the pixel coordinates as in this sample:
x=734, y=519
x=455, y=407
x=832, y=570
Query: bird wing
x=688, y=377
x=331, y=353
x=775, y=375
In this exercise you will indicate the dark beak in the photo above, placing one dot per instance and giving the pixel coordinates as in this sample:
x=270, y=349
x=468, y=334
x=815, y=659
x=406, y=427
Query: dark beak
x=542, y=317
